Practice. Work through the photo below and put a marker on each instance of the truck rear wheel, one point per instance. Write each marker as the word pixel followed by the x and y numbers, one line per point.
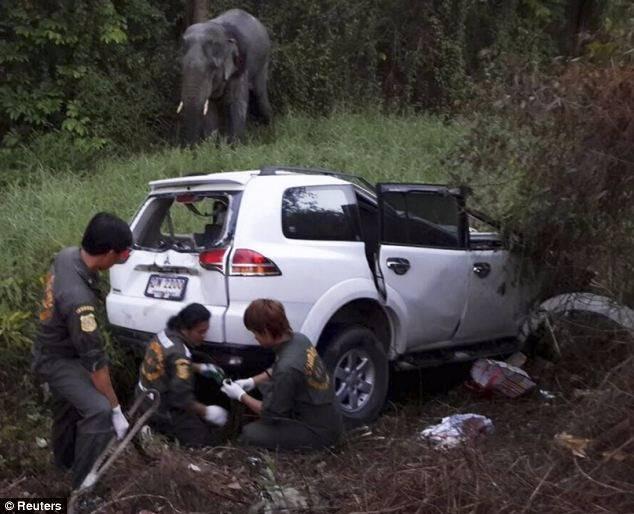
pixel 359 368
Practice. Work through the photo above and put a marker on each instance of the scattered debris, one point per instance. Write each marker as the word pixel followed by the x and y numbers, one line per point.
pixel 146 433
pixel 518 359
pixel 577 445
pixel 278 498
pixel 40 442
pixel 583 393
pixel 577 302
pixel 456 429
pixel 547 394
pixel 511 381
pixel 281 499
pixel 195 468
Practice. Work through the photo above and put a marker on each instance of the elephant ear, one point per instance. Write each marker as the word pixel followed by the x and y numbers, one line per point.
pixel 232 61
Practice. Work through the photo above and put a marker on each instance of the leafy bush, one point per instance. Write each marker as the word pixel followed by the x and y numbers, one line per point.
pixel 554 157
pixel 98 73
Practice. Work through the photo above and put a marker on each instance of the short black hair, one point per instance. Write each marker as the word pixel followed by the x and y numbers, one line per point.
pixel 106 232
pixel 189 317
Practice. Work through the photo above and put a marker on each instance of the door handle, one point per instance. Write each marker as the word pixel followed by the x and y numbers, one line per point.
pixel 482 269
pixel 398 265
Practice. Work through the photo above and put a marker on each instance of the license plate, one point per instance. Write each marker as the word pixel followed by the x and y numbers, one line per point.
pixel 166 287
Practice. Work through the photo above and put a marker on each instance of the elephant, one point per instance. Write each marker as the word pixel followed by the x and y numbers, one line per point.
pixel 225 64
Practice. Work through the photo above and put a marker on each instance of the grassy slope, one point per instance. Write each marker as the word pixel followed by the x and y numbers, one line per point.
pixel 50 213
pixel 52 210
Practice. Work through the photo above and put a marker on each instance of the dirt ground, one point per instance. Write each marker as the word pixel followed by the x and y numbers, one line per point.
pixel 387 467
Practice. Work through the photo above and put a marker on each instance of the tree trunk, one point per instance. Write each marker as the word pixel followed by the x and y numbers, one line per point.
pixel 197 11
pixel 582 16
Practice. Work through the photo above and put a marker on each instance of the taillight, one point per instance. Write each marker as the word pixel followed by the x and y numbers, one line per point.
pixel 252 264
pixel 213 259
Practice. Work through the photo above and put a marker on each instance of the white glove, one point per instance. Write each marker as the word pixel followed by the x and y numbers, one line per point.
pixel 119 422
pixel 232 389
pixel 246 383
pixel 216 415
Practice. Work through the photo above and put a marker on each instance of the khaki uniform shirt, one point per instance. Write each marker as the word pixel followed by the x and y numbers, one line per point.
pixel 68 324
pixel 300 387
pixel 167 367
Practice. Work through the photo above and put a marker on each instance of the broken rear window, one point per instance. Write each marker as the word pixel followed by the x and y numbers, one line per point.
pixel 185 222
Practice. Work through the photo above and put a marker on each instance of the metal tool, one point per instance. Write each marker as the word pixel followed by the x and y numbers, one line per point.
pixel 114 448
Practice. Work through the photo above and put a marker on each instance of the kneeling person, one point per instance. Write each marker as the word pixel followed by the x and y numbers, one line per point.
pixel 167 367
pixel 298 409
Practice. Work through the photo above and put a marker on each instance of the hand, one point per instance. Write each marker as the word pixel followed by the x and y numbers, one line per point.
pixel 210 371
pixel 119 422
pixel 247 384
pixel 216 415
pixel 232 390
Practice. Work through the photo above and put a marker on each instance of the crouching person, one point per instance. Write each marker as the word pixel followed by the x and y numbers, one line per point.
pixel 298 409
pixel 69 354
pixel 167 367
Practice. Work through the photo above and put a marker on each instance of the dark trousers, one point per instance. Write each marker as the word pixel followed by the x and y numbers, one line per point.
pixel 285 435
pixel 187 428
pixel 82 417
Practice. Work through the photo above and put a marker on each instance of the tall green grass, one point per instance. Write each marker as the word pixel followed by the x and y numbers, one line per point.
pixel 50 212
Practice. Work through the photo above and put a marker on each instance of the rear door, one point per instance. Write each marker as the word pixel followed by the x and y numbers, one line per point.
pixel 422 258
pixel 164 272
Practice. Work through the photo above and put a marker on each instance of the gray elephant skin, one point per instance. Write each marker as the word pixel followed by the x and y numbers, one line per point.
pixel 224 67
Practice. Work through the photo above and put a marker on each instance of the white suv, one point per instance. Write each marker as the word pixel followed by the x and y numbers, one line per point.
pixel 396 273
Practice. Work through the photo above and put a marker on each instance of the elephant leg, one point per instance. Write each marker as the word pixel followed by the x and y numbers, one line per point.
pixel 212 121
pixel 261 93
pixel 237 103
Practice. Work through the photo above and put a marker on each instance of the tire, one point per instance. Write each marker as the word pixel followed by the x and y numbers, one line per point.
pixel 360 395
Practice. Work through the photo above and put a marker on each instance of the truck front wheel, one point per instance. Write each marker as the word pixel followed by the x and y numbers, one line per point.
pixel 359 368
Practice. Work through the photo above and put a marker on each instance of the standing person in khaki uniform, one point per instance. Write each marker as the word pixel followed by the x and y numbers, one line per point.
pixel 167 367
pixel 298 409
pixel 68 353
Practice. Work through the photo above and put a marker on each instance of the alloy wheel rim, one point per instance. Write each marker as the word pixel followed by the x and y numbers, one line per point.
pixel 354 378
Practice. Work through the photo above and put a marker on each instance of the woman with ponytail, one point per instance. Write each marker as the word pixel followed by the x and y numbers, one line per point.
pixel 167 367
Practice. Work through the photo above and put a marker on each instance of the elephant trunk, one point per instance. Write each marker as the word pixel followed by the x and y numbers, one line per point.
pixel 194 99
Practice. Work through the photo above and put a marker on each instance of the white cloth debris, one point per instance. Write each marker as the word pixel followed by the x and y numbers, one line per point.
pixel 456 429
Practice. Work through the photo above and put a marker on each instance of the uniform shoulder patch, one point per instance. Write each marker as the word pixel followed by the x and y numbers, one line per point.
pixel 88 322
pixel 48 302
pixel 314 370
pixel 183 368
pixel 153 365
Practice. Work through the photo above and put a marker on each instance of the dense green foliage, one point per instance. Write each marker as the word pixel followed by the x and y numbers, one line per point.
pixel 81 76
pixel 84 79
pixel 551 155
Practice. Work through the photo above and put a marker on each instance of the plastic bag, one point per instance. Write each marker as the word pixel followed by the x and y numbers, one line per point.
pixel 456 429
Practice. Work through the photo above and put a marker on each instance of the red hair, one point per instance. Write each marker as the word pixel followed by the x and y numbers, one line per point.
pixel 265 315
